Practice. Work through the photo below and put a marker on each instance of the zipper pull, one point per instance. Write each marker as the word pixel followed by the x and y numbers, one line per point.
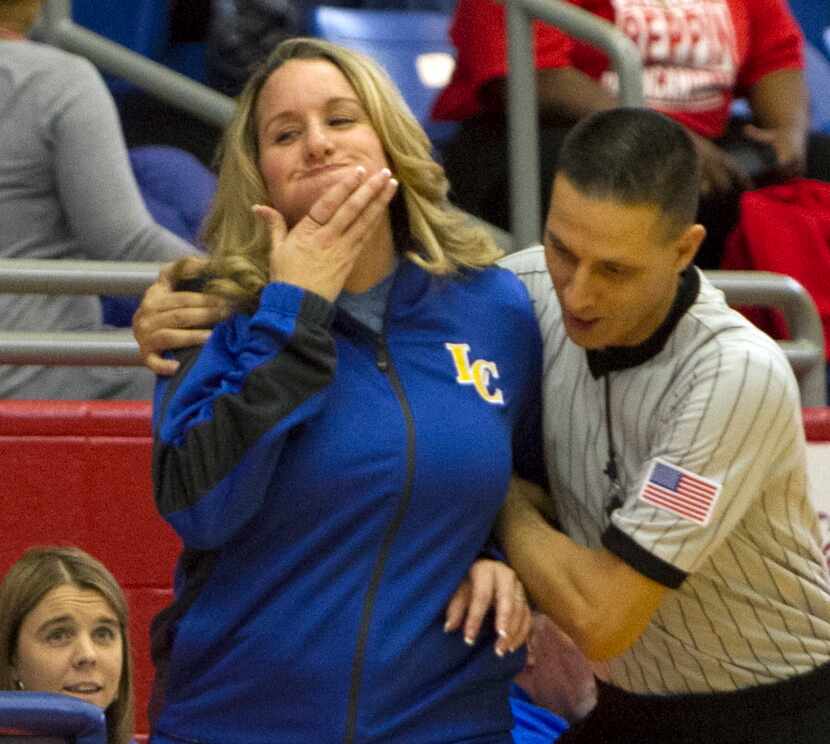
pixel 382 358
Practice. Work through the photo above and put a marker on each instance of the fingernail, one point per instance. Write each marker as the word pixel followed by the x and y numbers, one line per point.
pixel 447 626
pixel 469 641
pixel 502 632
pixel 386 172
pixel 394 182
pixel 361 171
pixel 499 652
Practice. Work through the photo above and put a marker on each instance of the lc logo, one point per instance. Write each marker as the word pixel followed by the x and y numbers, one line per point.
pixel 478 374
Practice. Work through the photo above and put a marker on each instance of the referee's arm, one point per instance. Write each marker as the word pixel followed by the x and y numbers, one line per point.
pixel 594 596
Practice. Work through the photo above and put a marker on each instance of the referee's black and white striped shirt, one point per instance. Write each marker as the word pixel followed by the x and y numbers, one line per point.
pixel 752 597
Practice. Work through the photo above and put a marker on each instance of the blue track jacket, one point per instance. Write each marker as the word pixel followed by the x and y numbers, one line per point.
pixel 332 486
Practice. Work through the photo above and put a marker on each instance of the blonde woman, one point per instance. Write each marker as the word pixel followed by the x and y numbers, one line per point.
pixel 335 455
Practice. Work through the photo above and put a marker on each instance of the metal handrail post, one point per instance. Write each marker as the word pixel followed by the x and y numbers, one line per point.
pixel 807 352
pixel 622 52
pixel 203 102
pixel 523 128
pixel 522 119
pixel 53 14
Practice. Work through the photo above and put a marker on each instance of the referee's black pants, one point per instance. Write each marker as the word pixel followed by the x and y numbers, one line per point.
pixel 795 711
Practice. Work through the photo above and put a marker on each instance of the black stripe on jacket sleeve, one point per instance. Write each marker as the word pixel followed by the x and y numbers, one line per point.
pixel 304 366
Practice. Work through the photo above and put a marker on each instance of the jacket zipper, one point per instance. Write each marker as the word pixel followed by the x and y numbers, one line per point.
pixel 384 364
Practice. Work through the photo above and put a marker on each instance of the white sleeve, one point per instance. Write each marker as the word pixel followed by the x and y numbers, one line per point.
pixel 732 421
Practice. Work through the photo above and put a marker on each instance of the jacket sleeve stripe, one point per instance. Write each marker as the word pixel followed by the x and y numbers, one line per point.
pixel 236 403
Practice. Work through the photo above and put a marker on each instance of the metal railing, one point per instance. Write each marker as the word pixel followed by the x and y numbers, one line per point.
pixel 73 348
pixel 105 348
pixel 522 109
pixel 58 28
pixel 805 351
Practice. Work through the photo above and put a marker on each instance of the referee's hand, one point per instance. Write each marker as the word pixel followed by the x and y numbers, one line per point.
pixel 491 583
pixel 168 319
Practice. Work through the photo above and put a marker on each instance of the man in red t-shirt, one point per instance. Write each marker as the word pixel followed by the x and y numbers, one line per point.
pixel 698 55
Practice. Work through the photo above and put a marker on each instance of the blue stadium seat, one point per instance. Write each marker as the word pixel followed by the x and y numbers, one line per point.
pixel 413 46
pixel 817 75
pixel 140 25
pixel 814 18
pixel 41 717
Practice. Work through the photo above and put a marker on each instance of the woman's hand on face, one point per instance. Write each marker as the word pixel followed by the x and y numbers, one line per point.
pixel 490 583
pixel 167 319
pixel 320 251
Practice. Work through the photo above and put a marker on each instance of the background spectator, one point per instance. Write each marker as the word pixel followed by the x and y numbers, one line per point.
pixel 66 191
pixel 64 629
pixel 697 57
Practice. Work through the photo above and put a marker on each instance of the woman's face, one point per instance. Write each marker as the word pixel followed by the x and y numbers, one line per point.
pixel 71 643
pixel 311 128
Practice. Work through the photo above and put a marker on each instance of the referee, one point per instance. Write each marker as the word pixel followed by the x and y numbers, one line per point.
pixel 689 553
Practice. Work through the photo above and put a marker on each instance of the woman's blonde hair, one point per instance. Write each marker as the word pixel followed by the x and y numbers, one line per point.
pixel 35 574
pixel 426 227
pixel 20 14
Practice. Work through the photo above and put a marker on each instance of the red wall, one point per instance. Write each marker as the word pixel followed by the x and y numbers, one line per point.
pixel 79 473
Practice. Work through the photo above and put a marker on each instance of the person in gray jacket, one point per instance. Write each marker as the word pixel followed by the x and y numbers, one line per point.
pixel 66 191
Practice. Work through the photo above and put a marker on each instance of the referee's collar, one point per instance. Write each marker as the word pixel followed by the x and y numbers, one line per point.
pixel 614 358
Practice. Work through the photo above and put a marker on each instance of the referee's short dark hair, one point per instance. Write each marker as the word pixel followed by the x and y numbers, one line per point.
pixel 634 156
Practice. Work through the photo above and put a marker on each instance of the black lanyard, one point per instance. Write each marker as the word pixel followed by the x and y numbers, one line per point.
pixel 611 469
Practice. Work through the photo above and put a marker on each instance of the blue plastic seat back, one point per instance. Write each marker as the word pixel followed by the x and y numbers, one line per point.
pixel 817 75
pixel 413 46
pixel 140 25
pixel 143 26
pixel 49 718
pixel 817 78
pixel 814 18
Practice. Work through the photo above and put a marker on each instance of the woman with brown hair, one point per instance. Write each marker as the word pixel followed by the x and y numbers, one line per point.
pixel 64 629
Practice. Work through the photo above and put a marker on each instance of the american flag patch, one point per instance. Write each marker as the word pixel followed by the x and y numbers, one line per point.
pixel 680 492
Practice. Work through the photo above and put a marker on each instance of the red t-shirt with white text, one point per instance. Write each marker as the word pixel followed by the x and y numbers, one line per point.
pixel 697 54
